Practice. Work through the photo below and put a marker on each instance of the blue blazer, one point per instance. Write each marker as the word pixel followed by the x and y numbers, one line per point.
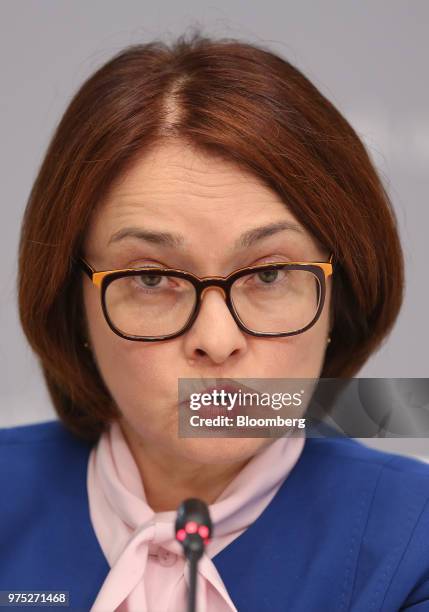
pixel 347 530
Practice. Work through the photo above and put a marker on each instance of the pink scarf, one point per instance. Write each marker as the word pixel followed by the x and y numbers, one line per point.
pixel 148 570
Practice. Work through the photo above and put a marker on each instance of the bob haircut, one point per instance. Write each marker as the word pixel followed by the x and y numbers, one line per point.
pixel 230 99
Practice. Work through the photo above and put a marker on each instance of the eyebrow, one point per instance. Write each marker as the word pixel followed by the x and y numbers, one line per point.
pixel 173 240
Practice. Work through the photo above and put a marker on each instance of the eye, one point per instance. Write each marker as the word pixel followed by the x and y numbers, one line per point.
pixel 158 284
pixel 151 281
pixel 266 279
pixel 268 276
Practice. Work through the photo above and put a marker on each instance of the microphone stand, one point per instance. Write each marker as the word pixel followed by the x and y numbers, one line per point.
pixel 193 530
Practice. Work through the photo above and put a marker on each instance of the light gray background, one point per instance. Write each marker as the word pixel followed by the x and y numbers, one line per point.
pixel 369 58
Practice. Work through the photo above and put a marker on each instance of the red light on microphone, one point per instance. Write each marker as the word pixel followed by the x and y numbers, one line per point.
pixel 203 531
pixel 181 535
pixel 191 527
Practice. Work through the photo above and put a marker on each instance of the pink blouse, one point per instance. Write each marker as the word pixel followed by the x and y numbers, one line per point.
pixel 148 569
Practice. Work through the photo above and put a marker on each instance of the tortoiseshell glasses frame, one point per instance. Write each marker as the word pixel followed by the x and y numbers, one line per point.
pixel 102 279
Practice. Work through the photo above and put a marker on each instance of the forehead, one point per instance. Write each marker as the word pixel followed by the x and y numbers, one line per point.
pixel 176 179
pixel 207 200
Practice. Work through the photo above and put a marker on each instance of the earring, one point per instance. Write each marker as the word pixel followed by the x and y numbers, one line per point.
pixel 86 344
pixel 329 339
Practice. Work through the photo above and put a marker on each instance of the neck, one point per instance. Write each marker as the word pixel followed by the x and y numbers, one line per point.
pixel 168 481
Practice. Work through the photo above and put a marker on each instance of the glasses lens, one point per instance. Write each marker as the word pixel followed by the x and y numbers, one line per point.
pixel 276 300
pixel 149 304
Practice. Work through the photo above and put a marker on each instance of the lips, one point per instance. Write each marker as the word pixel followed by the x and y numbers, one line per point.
pixel 226 388
pixel 213 410
pixel 229 387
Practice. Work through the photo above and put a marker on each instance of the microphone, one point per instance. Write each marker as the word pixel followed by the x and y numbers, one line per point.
pixel 193 530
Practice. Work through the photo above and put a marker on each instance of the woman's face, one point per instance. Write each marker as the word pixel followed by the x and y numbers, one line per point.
pixel 210 204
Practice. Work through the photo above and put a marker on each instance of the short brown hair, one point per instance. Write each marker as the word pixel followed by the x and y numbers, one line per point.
pixel 232 99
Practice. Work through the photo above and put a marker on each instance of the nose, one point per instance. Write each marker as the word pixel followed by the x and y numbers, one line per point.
pixel 215 288
pixel 214 335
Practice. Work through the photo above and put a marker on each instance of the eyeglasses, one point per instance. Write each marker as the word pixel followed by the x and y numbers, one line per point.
pixel 268 300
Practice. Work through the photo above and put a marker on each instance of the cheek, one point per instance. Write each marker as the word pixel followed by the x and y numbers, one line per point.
pixel 311 348
pixel 299 356
pixel 136 373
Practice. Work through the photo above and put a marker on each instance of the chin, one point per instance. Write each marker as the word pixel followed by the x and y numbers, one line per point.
pixel 220 450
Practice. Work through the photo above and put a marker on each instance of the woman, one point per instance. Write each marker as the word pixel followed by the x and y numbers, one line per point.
pixel 208 157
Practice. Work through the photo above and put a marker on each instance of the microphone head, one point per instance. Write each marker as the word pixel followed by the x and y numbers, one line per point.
pixel 193 527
